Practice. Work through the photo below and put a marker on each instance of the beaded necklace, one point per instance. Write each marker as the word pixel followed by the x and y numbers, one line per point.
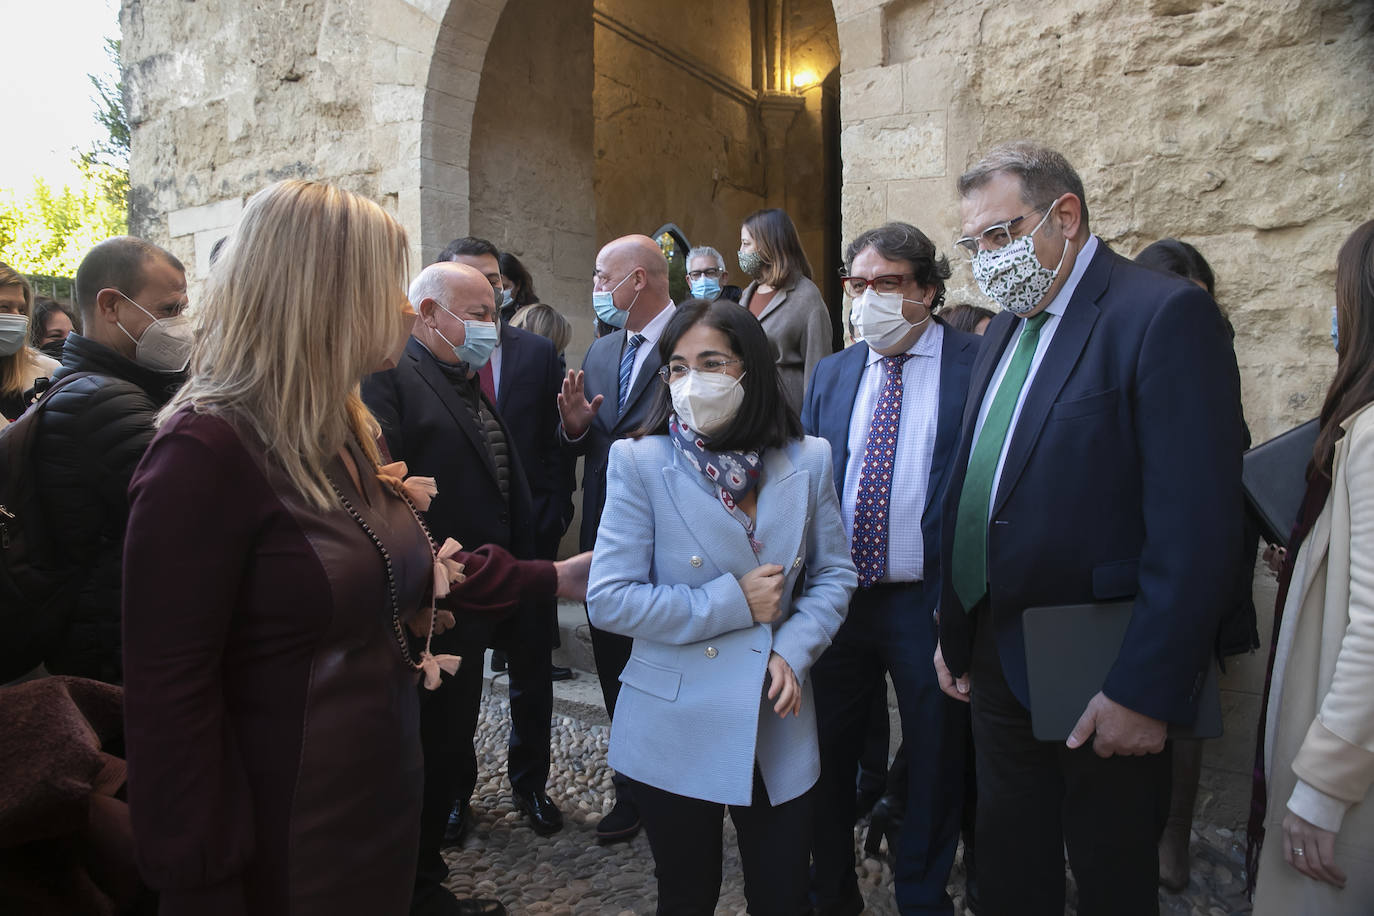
pixel 397 628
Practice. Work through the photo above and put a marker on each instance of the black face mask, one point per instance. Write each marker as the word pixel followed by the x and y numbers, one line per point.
pixel 53 348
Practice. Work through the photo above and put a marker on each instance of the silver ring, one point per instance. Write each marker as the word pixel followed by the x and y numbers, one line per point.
pixel 1297 851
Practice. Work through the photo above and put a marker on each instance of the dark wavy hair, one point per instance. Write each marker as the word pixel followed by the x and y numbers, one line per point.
pixel 1176 257
pixel 1353 386
pixel 515 272
pixel 765 419
pixel 898 241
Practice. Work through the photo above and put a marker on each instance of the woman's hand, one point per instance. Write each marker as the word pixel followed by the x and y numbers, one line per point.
pixel 784 686
pixel 1309 849
pixel 762 588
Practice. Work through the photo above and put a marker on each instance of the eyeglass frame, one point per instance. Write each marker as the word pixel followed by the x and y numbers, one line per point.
pixel 897 279
pixel 712 366
pixel 715 273
pixel 972 244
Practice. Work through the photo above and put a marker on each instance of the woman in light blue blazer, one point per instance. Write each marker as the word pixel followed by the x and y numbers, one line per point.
pixel 721 552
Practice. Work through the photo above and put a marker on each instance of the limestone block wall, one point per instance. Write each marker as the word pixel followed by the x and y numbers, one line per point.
pixel 676 131
pixel 531 161
pixel 1242 127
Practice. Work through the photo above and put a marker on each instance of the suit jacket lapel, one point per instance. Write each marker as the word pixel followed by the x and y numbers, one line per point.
pixel 773 304
pixel 724 540
pixel 434 377
pixel 510 357
pixel 601 369
pixel 1067 345
pixel 947 415
pixel 853 362
pixel 647 373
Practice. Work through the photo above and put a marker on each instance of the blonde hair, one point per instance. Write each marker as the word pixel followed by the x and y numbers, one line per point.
pixel 546 321
pixel 306 298
pixel 16 370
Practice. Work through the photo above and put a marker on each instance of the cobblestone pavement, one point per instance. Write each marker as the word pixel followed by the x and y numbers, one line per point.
pixel 569 873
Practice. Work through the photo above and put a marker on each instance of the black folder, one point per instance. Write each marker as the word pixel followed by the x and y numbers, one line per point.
pixel 1070 649
pixel 1274 476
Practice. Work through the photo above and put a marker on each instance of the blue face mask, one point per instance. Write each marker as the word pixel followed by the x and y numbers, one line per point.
pixel 705 288
pixel 507 297
pixel 479 339
pixel 1335 331
pixel 604 304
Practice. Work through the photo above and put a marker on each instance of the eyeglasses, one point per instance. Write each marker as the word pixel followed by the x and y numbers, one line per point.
pixel 996 236
pixel 680 370
pixel 888 283
pixel 715 273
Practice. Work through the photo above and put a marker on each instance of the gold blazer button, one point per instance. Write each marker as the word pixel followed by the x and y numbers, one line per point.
pixel 711 652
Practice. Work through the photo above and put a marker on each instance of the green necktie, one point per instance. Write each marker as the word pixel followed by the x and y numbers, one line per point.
pixel 970 561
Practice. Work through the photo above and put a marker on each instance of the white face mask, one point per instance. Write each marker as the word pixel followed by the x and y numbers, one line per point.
pixel 707 401
pixel 166 343
pixel 15 328
pixel 878 318
pixel 1012 275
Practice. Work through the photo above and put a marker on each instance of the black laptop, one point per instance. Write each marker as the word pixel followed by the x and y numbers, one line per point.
pixel 1070 650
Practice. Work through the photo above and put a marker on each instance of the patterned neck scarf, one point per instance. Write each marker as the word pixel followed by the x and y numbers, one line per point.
pixel 733 474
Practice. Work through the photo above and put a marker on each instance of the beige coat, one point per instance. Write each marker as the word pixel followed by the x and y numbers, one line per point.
pixel 1320 720
pixel 800 333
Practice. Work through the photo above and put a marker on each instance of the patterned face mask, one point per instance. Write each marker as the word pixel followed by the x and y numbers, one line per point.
pixel 1012 276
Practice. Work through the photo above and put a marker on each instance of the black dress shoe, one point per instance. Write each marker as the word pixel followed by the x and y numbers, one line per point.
pixel 562 674
pixel 544 815
pixel 621 824
pixel 459 823
pixel 498 660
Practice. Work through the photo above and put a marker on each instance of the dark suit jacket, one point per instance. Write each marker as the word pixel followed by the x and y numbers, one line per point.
pixel 428 427
pixel 602 376
pixel 1122 480
pixel 830 404
pixel 527 399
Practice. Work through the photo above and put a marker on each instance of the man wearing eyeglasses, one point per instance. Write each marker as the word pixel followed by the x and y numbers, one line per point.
pixel 890 406
pixel 1098 461
pixel 707 277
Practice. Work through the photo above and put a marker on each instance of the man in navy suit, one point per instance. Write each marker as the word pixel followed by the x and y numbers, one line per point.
pixel 608 400
pixel 435 417
pixel 1099 460
pixel 890 407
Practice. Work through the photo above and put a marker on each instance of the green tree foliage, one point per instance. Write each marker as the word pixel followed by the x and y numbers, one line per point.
pixel 48 231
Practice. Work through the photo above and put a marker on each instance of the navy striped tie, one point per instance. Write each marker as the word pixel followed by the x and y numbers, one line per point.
pixel 627 367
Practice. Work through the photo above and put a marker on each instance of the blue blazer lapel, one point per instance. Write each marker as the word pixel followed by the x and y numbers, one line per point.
pixel 724 540
pixel 434 377
pixel 1069 339
pixel 782 509
pixel 840 407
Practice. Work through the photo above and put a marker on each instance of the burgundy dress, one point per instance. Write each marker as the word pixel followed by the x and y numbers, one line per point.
pixel 273 741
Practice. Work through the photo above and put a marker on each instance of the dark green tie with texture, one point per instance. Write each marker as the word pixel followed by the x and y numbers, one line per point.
pixel 969 564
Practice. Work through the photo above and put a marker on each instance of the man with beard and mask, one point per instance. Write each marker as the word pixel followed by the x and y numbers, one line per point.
pixel 132 353
pixel 435 417
pixel 890 407
pixel 609 399
pixel 1099 461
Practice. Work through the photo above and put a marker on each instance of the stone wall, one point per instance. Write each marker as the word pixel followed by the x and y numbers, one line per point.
pixel 531 158
pixel 1242 127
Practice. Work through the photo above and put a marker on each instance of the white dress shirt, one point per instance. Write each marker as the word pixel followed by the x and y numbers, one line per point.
pixel 916 428
pixel 651 333
pixel 495 361
pixel 1056 310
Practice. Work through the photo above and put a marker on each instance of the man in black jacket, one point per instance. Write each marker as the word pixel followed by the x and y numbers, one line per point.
pixel 435 417
pixel 134 347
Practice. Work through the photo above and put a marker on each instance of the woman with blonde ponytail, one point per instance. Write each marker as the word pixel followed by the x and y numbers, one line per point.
pixel 278 584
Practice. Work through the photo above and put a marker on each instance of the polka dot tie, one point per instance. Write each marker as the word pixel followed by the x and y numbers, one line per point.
pixel 869 548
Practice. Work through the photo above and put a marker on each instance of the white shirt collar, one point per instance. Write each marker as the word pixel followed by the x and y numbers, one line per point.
pixel 928 344
pixel 654 329
pixel 1080 266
